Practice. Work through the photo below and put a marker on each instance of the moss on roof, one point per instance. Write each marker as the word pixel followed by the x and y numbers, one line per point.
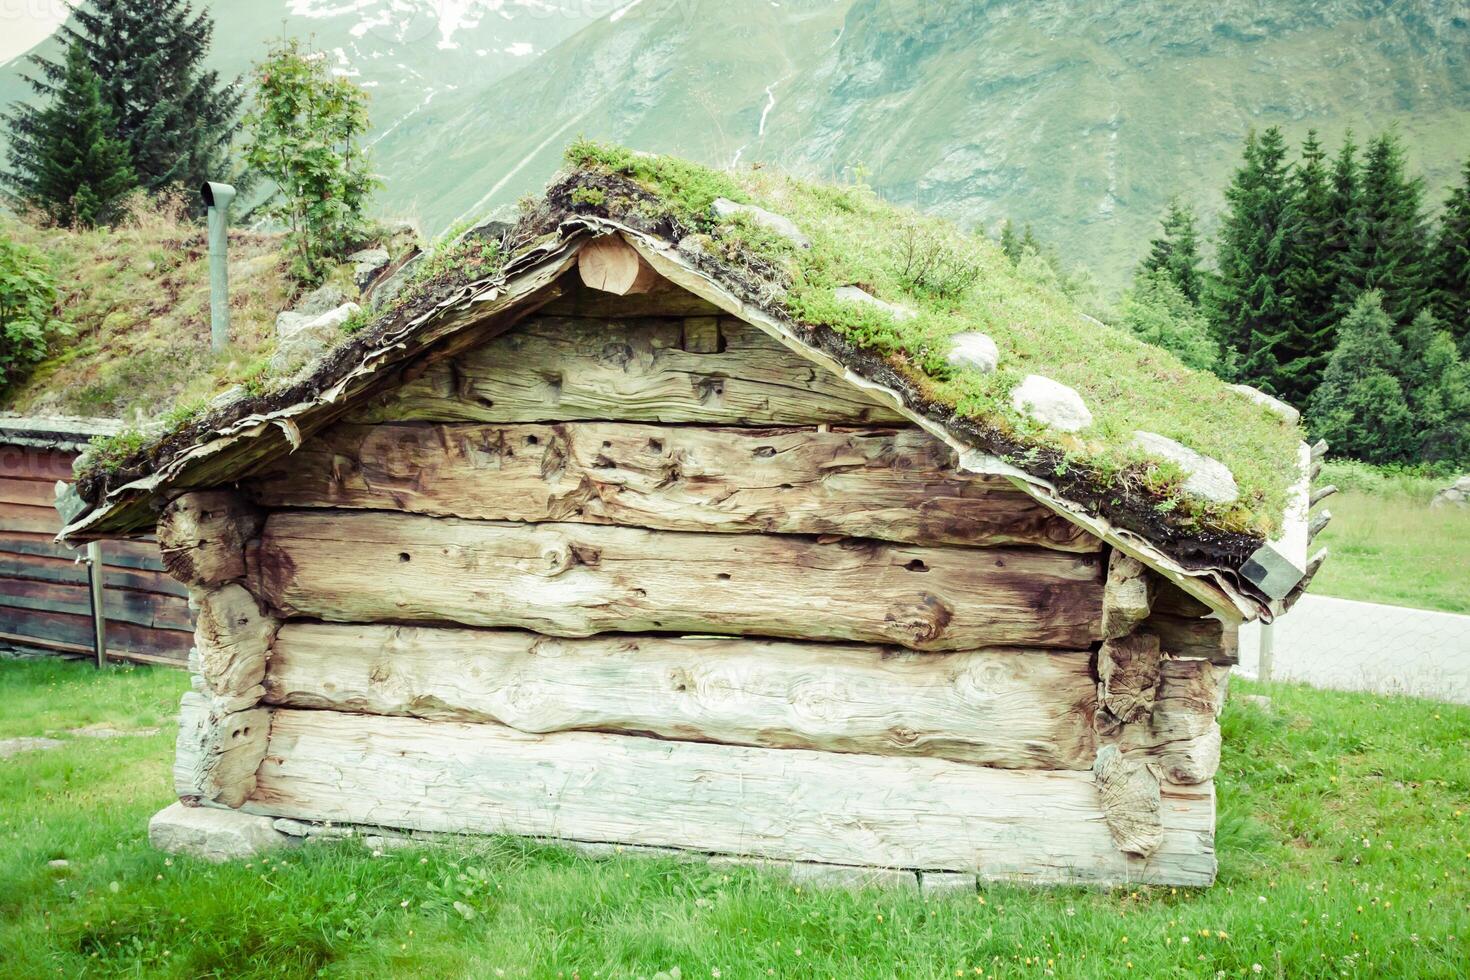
pixel 956 282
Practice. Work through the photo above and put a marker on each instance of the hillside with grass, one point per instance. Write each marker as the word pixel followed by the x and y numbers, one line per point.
pixel 133 308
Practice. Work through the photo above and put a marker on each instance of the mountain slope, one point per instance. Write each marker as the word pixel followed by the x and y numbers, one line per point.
pixel 1080 116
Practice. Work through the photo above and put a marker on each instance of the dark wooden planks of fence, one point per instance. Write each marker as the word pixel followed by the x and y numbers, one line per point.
pixel 44 602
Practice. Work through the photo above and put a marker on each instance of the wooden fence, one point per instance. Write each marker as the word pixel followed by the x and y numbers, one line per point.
pixel 45 600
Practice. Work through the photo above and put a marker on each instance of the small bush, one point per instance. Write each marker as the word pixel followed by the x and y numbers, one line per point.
pixel 927 261
pixel 27 301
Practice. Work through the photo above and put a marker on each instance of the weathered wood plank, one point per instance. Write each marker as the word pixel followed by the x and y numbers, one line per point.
pixel 789 804
pixel 576 580
pixel 123 605
pixel 122 554
pixel 35 493
pixel 66 569
pixel 893 484
pixel 26 462
pixel 1011 708
pixel 29 518
pixel 552 369
pixel 1180 734
pixel 74 632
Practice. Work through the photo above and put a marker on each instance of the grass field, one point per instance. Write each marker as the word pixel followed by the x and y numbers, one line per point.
pixel 1388 546
pixel 1344 846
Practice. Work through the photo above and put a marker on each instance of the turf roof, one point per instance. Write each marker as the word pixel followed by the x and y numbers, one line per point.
pixel 952 281
pixel 970 285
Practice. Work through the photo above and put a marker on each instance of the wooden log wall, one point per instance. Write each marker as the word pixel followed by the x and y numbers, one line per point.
pixel 621 576
pixel 45 602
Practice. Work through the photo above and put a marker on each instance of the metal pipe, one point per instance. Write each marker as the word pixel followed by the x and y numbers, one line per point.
pixel 1266 660
pixel 217 198
pixel 95 578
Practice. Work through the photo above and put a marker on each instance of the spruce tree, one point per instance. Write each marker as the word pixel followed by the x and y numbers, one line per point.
pixel 1345 198
pixel 1389 247
pixel 1437 383
pixel 1309 276
pixel 174 116
pixel 1009 243
pixel 72 169
pixel 1452 264
pixel 1360 407
pixel 1176 252
pixel 1251 305
pixel 1157 312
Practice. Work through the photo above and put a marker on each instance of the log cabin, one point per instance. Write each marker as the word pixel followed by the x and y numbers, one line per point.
pixel 632 529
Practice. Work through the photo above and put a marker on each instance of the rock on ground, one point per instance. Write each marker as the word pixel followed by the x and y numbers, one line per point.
pixel 1205 478
pixel 1291 415
pixel 1457 494
pixel 212 834
pixel 933 884
pixel 852 294
pixel 318 301
pixel 1051 403
pixel 724 208
pixel 366 264
pixel 975 351
pixel 299 339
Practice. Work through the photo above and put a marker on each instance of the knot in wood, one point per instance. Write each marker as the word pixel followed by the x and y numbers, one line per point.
pixel 919 622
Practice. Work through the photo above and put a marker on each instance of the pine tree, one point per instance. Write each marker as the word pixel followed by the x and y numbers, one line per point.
pixel 174 116
pixel 71 168
pixel 1360 407
pixel 1309 276
pixel 1452 264
pixel 1029 242
pixel 1250 306
pixel 1176 252
pixel 1389 248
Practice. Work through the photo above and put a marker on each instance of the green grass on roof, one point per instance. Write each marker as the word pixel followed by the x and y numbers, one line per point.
pixel 957 282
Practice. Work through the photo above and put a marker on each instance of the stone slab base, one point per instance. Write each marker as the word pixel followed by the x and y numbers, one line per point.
pixel 800 873
pixel 213 834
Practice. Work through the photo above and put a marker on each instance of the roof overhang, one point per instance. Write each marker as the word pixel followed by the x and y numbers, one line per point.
pixel 482 310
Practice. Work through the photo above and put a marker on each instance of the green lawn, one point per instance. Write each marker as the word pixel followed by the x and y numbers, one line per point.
pixel 1388 546
pixel 1344 849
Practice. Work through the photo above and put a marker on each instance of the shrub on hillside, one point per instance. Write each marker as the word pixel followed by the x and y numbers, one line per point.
pixel 27 302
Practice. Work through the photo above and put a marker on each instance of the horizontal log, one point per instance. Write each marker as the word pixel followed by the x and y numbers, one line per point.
pixel 1010 708
pixel 662 300
pixel 219 750
pixel 232 641
pixel 892 484
pixel 75 633
pixel 149 609
pixel 785 804
pixel 202 535
pixel 1201 639
pixel 577 580
pixel 553 369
